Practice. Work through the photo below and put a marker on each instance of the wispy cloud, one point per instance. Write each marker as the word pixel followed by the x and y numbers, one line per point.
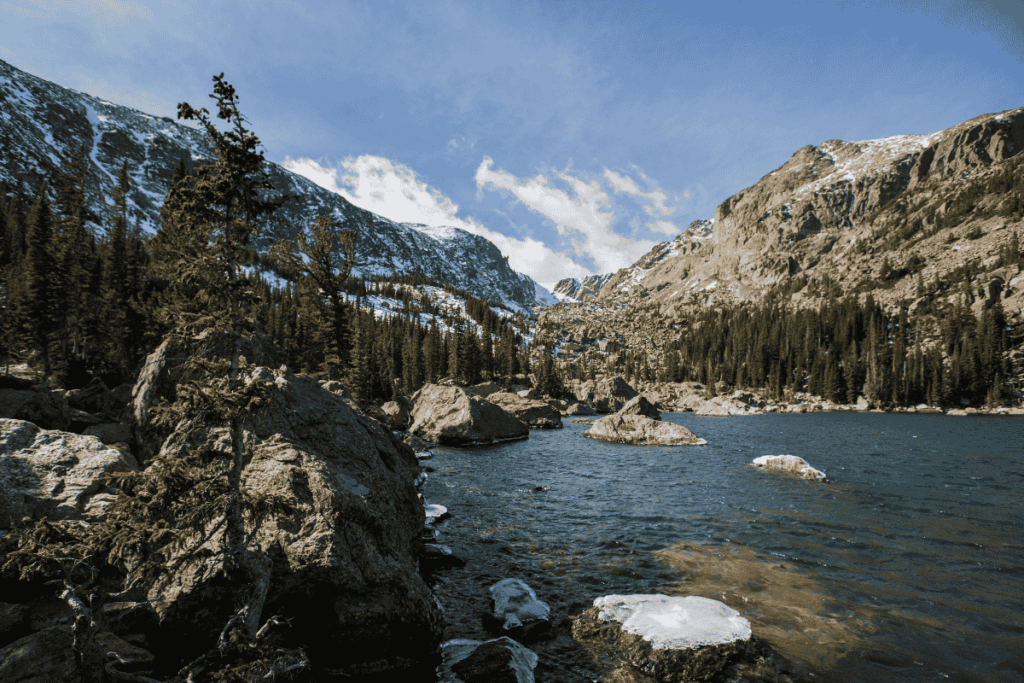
pixel 396 192
pixel 583 214
pixel 656 197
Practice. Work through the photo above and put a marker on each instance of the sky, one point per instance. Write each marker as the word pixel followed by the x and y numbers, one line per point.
pixel 573 135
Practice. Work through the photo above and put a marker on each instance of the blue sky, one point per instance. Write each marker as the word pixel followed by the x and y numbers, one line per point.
pixel 575 135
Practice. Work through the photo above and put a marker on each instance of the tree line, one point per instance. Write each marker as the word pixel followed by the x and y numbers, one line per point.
pixel 844 349
pixel 77 305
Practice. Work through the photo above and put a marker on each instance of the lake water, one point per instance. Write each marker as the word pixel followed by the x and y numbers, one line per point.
pixel 907 565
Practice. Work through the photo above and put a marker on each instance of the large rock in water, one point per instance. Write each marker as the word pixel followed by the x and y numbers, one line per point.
pixel 47 473
pixel 536 414
pixel 667 638
pixel 608 395
pixel 789 464
pixel 450 416
pixel 343 540
pixel 641 431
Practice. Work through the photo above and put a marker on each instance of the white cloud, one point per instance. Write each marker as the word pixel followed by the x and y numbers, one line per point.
pixel 585 216
pixel 664 227
pixel 656 197
pixel 395 192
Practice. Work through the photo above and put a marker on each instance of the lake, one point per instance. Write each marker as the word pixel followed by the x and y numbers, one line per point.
pixel 907 565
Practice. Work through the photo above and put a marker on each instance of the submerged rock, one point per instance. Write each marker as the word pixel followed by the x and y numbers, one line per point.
pixel 501 660
pixel 516 608
pixel 450 416
pixel 789 464
pixel 641 431
pixel 536 414
pixel 671 638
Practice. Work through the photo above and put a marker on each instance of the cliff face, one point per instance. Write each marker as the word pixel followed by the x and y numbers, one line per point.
pixel 43 125
pixel 875 216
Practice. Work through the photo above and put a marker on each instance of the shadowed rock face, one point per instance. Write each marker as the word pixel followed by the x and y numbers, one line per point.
pixel 344 544
pixel 639 405
pixel 450 416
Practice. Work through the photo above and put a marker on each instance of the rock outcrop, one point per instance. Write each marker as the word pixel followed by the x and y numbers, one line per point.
pixel 536 414
pixel 450 416
pixel 789 464
pixel 48 473
pixel 667 638
pixel 641 431
pixel 396 414
pixel 344 538
pixel 608 395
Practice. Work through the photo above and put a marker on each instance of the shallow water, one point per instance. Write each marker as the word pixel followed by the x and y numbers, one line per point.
pixel 907 565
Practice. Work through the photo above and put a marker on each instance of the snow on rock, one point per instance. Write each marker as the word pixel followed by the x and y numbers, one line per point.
pixel 790 464
pixel 517 609
pixel 676 623
pixel 668 638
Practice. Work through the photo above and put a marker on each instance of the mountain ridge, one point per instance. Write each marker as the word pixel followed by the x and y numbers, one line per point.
pixel 42 124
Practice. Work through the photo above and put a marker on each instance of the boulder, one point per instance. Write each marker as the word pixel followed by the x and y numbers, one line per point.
pixel 862 403
pixel 43 656
pixel 344 536
pixel 484 389
pixel 536 414
pixel 48 473
pixel 789 464
pixel 449 416
pixel 110 433
pixel 712 409
pixel 527 393
pixel 583 420
pixel 608 395
pixel 419 446
pixel 516 610
pixel 14 622
pixel 95 398
pixel 579 409
pixel 639 405
pixel 669 638
pixel 178 360
pixel 396 414
pixel 642 431
pixel 501 660
pixel 45 409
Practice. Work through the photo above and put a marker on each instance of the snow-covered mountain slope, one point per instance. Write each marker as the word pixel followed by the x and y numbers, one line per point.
pixel 571 289
pixel 42 126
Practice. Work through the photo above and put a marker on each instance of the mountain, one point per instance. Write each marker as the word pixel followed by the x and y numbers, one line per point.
pixel 42 125
pixel 912 220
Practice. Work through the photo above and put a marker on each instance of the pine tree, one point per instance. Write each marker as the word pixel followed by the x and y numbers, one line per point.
pixel 37 304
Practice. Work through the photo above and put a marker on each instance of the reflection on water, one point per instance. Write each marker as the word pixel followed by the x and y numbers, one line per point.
pixel 907 566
